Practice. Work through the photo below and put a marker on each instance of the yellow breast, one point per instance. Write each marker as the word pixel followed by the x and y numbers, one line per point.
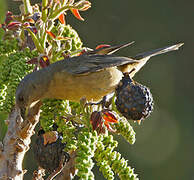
pixel 93 86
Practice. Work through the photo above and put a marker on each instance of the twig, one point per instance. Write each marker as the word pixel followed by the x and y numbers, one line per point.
pixel 56 172
pixel 68 171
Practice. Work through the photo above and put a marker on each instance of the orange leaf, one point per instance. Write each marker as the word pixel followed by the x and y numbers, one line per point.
pixel 109 127
pixel 62 19
pixel 50 34
pixel 30 20
pixel 76 14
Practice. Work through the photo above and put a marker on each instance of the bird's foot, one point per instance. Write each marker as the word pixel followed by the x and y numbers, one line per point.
pixel 105 102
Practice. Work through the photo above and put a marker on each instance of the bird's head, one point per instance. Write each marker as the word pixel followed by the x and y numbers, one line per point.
pixel 26 95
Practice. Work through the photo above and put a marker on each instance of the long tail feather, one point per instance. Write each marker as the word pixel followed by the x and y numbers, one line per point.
pixel 158 51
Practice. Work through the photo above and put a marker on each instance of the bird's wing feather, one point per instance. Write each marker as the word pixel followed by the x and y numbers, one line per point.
pixel 85 64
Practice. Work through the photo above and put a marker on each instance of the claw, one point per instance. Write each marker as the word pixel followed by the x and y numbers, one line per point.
pixel 105 102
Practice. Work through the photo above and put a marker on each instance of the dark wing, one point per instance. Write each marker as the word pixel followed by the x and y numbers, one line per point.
pixel 85 64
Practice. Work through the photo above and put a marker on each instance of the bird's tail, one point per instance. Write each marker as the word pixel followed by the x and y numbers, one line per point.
pixel 158 51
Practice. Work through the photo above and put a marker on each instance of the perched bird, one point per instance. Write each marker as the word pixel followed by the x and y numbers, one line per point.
pixel 91 75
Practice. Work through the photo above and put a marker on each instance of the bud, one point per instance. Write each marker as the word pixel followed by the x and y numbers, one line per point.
pixel 70 2
pixel 26 24
pixel 77 14
pixel 13 26
pixel 44 61
pixel 100 119
pixel 8 17
pixel 83 5
pixel 9 13
pixel 96 119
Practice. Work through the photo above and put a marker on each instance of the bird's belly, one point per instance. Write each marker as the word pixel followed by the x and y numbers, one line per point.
pixel 92 86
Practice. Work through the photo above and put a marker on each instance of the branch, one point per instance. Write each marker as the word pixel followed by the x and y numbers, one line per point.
pixel 16 142
pixel 69 170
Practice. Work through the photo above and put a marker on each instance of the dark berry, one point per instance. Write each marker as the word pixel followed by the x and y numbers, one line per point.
pixel 133 100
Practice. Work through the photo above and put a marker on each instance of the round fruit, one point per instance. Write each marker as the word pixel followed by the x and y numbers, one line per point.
pixel 133 100
pixel 49 156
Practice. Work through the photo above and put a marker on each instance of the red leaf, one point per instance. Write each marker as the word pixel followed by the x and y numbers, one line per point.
pixel 50 34
pixel 62 19
pixel 13 25
pixel 102 45
pixel 96 119
pixel 76 14
pixel 82 52
pixel 9 13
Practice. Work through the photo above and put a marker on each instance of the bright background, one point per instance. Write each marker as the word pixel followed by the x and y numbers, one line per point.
pixel 164 149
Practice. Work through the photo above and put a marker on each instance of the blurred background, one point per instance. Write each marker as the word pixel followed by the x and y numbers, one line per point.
pixel 164 148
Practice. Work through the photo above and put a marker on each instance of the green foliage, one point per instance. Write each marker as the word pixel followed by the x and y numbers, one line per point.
pixel 86 147
pixel 52 109
pixel 110 160
pixel 8 46
pixel 12 69
pixel 69 131
pixel 70 44
pixel 125 129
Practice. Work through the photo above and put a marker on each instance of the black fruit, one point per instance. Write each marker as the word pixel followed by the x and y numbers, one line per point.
pixel 133 100
pixel 50 155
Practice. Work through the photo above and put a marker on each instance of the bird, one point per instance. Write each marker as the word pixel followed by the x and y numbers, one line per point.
pixel 92 75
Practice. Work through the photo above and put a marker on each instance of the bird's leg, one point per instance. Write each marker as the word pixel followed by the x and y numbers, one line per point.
pixel 105 102
pixel 128 73
pixel 101 102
